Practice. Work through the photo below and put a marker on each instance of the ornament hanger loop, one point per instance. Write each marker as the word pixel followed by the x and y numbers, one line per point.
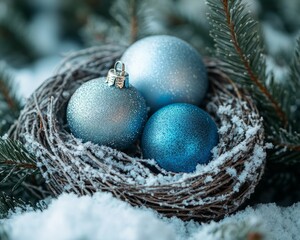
pixel 117 76
pixel 118 70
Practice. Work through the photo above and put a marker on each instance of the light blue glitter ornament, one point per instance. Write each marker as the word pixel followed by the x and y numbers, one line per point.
pixel 166 70
pixel 179 136
pixel 107 111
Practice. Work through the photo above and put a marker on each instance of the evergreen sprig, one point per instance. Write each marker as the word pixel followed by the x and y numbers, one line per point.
pixel 130 21
pixel 288 95
pixel 135 19
pixel 239 46
pixel 294 89
pixel 241 50
pixel 126 16
pixel 8 204
pixel 20 176
pixel 10 103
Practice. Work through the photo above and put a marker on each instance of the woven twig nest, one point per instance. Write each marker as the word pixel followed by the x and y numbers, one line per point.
pixel 68 165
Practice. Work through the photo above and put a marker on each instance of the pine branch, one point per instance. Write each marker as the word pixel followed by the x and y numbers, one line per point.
pixel 294 89
pixel 287 92
pixel 8 204
pixel 19 174
pixel 16 164
pixel 239 47
pixel 125 13
pixel 287 141
pixel 130 21
pixel 10 104
pixel 238 44
pixel 287 147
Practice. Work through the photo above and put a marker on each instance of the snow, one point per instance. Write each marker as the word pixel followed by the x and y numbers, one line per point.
pixel 30 78
pixel 277 40
pixel 277 43
pixel 98 217
pixel 104 217
pixel 194 10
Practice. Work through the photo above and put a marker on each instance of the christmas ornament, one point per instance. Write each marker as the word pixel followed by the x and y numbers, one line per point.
pixel 107 111
pixel 179 136
pixel 166 70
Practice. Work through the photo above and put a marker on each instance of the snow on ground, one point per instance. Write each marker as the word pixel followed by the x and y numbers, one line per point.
pixel 104 217
pixel 31 77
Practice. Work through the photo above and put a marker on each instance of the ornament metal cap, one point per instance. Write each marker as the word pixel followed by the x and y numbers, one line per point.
pixel 117 76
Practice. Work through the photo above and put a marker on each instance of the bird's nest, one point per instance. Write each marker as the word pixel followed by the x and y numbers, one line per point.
pixel 68 165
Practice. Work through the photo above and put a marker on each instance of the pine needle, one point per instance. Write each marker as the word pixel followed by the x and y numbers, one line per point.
pixel 292 100
pixel 8 204
pixel 10 103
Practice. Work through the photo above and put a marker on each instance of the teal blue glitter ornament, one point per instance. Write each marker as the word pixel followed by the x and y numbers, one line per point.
pixel 107 111
pixel 179 136
pixel 166 70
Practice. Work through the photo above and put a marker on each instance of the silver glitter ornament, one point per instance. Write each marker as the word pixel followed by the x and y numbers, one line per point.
pixel 107 111
pixel 166 70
